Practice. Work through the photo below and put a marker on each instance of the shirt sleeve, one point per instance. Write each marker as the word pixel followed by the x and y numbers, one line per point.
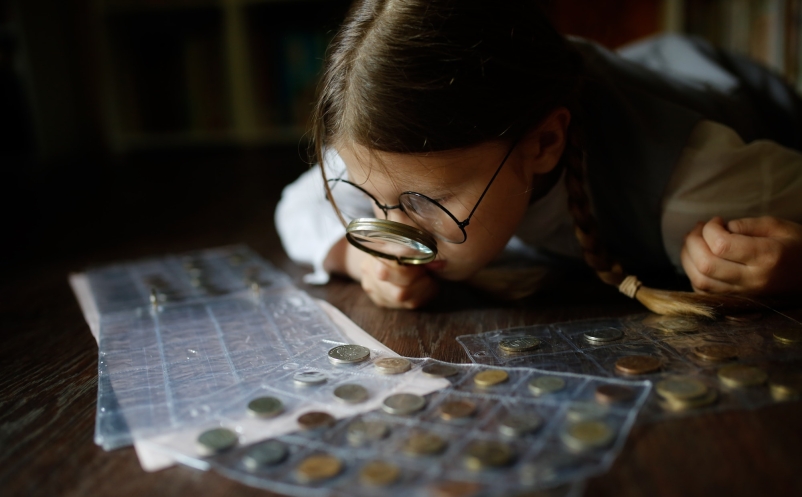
pixel 307 223
pixel 720 175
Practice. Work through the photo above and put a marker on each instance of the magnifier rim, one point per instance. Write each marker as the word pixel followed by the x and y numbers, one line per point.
pixel 392 227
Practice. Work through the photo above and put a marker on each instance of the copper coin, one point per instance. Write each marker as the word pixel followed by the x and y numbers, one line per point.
pixel 315 419
pixel 454 489
pixel 457 410
pixel 638 364
pixel 716 352
pixel 612 394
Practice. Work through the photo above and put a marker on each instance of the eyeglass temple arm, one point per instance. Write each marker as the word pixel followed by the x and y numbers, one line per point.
pixel 498 170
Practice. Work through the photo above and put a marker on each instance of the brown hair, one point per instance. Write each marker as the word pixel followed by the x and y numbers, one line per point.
pixel 416 76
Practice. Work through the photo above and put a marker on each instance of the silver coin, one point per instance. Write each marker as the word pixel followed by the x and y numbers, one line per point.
pixel 216 440
pixel 392 365
pixel 515 425
pixel 436 370
pixel 519 344
pixel 360 432
pixel 544 385
pixel 403 403
pixel 603 335
pixel 265 407
pixel 351 393
pixel 308 378
pixel 348 354
pixel 268 453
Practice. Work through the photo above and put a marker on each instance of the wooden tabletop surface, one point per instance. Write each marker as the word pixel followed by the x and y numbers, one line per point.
pixel 48 376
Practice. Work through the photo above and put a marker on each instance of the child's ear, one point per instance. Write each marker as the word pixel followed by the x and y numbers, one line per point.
pixel 543 146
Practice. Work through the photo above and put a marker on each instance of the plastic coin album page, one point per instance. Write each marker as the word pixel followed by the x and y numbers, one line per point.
pixel 738 362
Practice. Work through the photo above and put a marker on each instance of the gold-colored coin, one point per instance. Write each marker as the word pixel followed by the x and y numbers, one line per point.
pixel 486 454
pixel 318 467
pixel 638 364
pixel 716 352
pixel 457 410
pixel 424 444
pixel 392 365
pixel 787 386
pixel 454 489
pixel 315 420
pixel 613 394
pixel 680 388
pixel 588 435
pixel 490 377
pixel 788 335
pixel 544 385
pixel 741 375
pixel 674 404
pixel 379 474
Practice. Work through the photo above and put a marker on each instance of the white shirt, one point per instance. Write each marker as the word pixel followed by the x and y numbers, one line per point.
pixel 717 175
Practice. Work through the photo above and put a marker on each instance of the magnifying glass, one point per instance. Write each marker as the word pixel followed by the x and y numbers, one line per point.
pixel 391 240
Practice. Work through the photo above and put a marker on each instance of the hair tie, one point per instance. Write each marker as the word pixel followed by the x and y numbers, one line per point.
pixel 630 286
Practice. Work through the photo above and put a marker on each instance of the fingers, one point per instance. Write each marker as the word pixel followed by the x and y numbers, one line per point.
pixel 726 245
pixel 398 287
pixel 707 271
pixel 396 274
pixel 758 226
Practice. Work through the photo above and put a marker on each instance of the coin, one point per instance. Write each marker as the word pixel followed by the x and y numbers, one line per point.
pixel 403 403
pixel 392 365
pixel 674 404
pixel 439 370
pixel 483 454
pixel 265 407
pixel 268 453
pixel 424 444
pixel 788 336
pixel 516 425
pixel 457 410
pixel 583 411
pixel 490 377
pixel 314 420
pixel 379 473
pixel 587 435
pixel 603 335
pixel 787 386
pixel 349 354
pixel 638 364
pixel 519 344
pixel 308 378
pixel 680 388
pixel 543 385
pixel 613 394
pixel 716 352
pixel 454 489
pixel 361 431
pixel 216 440
pixel 351 393
pixel 741 375
pixel 318 467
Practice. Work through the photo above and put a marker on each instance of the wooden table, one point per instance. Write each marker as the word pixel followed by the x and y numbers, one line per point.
pixel 48 377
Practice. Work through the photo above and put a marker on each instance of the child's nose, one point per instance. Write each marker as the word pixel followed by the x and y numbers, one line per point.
pixel 400 216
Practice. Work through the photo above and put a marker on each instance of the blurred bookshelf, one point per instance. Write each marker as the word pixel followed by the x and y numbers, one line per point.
pixel 765 30
pixel 182 73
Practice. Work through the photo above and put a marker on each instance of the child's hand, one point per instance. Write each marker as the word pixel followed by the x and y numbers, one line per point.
pixel 760 255
pixel 400 287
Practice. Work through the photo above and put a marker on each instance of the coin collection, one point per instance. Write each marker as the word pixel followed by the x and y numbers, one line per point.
pixel 487 429
pixel 736 362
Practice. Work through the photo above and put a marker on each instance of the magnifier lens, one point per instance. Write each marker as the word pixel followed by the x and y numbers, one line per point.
pixel 392 240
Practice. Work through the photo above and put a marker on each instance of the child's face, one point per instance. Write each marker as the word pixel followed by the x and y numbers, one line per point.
pixel 456 179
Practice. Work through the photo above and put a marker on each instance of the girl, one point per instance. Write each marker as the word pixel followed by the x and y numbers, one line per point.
pixel 476 123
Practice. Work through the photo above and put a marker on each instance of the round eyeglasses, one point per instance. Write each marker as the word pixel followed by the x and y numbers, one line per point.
pixel 401 242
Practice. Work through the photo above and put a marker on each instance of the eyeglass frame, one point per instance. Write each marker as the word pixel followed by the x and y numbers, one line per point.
pixel 460 224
